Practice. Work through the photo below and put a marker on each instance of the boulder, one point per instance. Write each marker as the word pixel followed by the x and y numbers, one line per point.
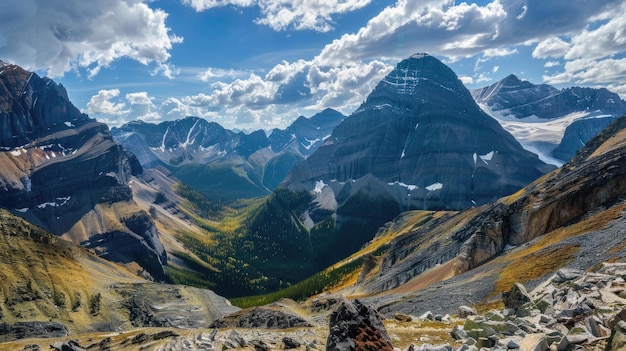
pixel 516 297
pixel 260 318
pixel 356 326
pixel 402 317
pixel 458 333
pixel 234 340
pixel 567 274
pixel 534 342
pixel 465 311
pixel 618 338
pixel 290 343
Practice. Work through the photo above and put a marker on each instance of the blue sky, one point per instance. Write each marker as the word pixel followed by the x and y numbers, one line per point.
pixel 251 64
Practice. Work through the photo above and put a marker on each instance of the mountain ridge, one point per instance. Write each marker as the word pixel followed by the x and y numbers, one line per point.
pixel 399 133
pixel 562 120
pixel 49 139
pixel 241 165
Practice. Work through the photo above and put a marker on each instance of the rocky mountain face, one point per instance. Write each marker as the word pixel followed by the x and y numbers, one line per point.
pixel 521 99
pixel 52 288
pixel 422 141
pixel 305 135
pixel 582 112
pixel 566 208
pixel 183 141
pixel 63 171
pixel 235 164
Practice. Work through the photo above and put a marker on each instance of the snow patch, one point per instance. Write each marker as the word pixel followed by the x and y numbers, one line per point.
pixel 411 187
pixel 486 157
pixel 17 152
pixel 434 186
pixel 311 143
pixel 22 210
pixel 319 185
pixel 382 106
pixel 187 142
pixel 59 201
pixel 69 124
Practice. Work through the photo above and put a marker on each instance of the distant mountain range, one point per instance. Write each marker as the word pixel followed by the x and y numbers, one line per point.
pixel 220 163
pixel 561 121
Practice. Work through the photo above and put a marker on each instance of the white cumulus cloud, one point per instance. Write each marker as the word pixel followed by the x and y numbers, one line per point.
pixel 60 35
pixel 101 104
pixel 289 14
pixel 590 54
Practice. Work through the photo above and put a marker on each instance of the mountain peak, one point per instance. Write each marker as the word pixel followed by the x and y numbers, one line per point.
pixel 418 79
pixel 511 79
pixel 420 134
pixel 419 55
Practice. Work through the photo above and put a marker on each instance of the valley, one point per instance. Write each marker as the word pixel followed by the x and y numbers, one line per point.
pixel 423 204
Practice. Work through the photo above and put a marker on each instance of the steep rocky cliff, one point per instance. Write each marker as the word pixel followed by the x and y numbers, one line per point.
pixel 63 171
pixel 570 201
pixel 423 137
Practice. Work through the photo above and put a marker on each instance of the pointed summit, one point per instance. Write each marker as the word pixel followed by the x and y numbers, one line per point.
pixel 420 134
pixel 419 78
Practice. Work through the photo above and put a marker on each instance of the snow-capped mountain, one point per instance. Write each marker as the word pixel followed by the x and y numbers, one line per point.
pixel 305 135
pixel 539 116
pixel 421 140
pixel 222 163
pixel 183 141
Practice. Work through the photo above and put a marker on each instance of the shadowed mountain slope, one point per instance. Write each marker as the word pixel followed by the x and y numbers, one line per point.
pixel 422 136
pixel 63 171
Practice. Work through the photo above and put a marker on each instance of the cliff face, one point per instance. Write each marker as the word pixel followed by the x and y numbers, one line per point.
pixel 422 135
pixel 61 170
pixel 590 183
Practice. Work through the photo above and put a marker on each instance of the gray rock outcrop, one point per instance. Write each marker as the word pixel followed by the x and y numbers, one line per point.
pixel 585 311
pixel 58 165
pixel 261 318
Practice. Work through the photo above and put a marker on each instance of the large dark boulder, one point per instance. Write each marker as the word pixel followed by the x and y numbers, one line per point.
pixel 356 326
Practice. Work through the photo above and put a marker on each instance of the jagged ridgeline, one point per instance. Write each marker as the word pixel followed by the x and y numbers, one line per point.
pixel 222 164
pixel 61 170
